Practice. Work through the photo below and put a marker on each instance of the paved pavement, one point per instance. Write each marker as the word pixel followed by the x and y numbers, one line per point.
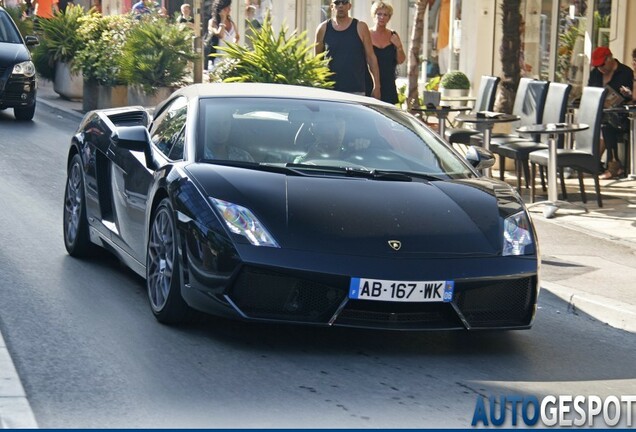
pixel 615 222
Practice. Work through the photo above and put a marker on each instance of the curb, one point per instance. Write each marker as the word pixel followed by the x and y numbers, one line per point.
pixel 60 110
pixel 615 313
pixel 15 410
pixel 577 226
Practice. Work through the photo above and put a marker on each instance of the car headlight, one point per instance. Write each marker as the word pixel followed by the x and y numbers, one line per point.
pixel 516 234
pixel 26 68
pixel 242 221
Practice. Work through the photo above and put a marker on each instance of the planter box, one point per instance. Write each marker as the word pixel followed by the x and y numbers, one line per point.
pixel 112 96
pixel 97 96
pixel 454 92
pixel 431 97
pixel 137 96
pixel 449 94
pixel 90 101
pixel 68 85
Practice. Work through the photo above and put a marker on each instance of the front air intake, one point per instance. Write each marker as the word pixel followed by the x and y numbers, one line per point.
pixel 499 303
pixel 265 294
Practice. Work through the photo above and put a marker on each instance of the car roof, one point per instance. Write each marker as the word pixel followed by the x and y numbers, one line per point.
pixel 274 91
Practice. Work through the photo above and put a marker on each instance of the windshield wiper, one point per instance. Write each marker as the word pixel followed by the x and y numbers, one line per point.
pixel 420 175
pixel 269 167
pixel 348 171
pixel 378 174
pixel 355 172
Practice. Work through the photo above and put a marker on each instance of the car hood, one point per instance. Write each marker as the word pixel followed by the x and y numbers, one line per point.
pixel 363 216
pixel 11 54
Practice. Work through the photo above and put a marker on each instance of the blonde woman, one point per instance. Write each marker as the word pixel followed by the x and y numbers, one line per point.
pixel 388 50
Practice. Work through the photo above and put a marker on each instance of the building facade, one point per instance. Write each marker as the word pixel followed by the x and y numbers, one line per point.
pixel 558 36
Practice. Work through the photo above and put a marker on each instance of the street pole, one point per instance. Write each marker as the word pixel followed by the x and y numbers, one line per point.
pixel 197 76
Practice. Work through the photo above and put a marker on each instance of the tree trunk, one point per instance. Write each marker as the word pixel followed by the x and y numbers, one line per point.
pixel 510 51
pixel 415 50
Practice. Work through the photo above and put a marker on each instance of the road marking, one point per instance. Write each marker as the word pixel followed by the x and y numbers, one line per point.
pixel 15 410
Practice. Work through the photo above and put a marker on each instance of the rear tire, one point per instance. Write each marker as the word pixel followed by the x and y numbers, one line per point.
pixel 163 273
pixel 24 113
pixel 76 237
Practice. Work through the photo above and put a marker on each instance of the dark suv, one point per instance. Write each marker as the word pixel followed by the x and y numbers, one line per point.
pixel 17 72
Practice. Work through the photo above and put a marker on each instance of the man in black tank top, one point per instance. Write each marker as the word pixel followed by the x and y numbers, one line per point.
pixel 349 49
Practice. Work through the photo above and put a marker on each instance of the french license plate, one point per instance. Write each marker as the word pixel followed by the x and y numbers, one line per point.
pixel 401 291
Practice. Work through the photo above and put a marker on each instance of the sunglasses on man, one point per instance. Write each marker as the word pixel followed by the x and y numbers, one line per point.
pixel 340 2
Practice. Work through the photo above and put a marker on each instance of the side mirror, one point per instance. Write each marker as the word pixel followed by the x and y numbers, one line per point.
pixel 480 158
pixel 31 40
pixel 133 138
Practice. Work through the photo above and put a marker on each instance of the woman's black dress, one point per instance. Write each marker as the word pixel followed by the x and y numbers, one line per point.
pixel 387 61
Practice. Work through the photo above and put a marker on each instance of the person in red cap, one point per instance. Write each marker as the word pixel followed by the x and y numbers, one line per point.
pixel 609 72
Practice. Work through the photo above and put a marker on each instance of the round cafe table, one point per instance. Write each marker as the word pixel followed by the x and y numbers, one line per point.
pixel 487 119
pixel 553 203
pixel 441 112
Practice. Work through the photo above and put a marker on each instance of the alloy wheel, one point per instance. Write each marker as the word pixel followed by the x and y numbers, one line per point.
pixel 161 256
pixel 73 203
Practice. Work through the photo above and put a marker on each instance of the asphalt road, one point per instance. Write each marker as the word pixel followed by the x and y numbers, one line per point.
pixel 90 354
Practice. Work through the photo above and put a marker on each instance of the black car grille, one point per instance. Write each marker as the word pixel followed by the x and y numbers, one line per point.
pixel 500 303
pixel 2 71
pixel 134 118
pixel 403 316
pixel 260 293
pixel 265 294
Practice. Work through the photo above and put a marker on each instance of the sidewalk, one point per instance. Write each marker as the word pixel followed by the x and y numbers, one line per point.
pixel 610 298
pixel 616 222
pixel 46 96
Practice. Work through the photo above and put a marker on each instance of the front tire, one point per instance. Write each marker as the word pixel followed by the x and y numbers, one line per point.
pixel 76 237
pixel 24 113
pixel 163 277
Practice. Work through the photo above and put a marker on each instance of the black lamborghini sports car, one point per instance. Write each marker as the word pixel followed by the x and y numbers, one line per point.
pixel 300 205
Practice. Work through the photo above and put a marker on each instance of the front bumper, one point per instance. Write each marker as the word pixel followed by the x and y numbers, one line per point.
pixel 17 91
pixel 477 304
pixel 490 292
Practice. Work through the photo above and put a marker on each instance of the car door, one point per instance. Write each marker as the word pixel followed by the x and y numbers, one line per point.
pixel 132 179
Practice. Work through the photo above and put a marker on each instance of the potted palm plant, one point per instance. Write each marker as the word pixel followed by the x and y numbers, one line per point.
pixel 431 94
pixel 59 44
pixel 273 58
pixel 155 59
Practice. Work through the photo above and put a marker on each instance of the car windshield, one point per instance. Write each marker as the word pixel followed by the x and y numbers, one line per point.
pixel 8 32
pixel 322 134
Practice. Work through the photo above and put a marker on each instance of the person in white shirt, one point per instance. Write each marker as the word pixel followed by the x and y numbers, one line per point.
pixel 221 28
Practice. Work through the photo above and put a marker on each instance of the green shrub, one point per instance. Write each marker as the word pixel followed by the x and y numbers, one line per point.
pixel 274 58
pixel 433 83
pixel 103 39
pixel 42 62
pixel 455 80
pixel 25 25
pixel 59 40
pixel 61 34
pixel 156 54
